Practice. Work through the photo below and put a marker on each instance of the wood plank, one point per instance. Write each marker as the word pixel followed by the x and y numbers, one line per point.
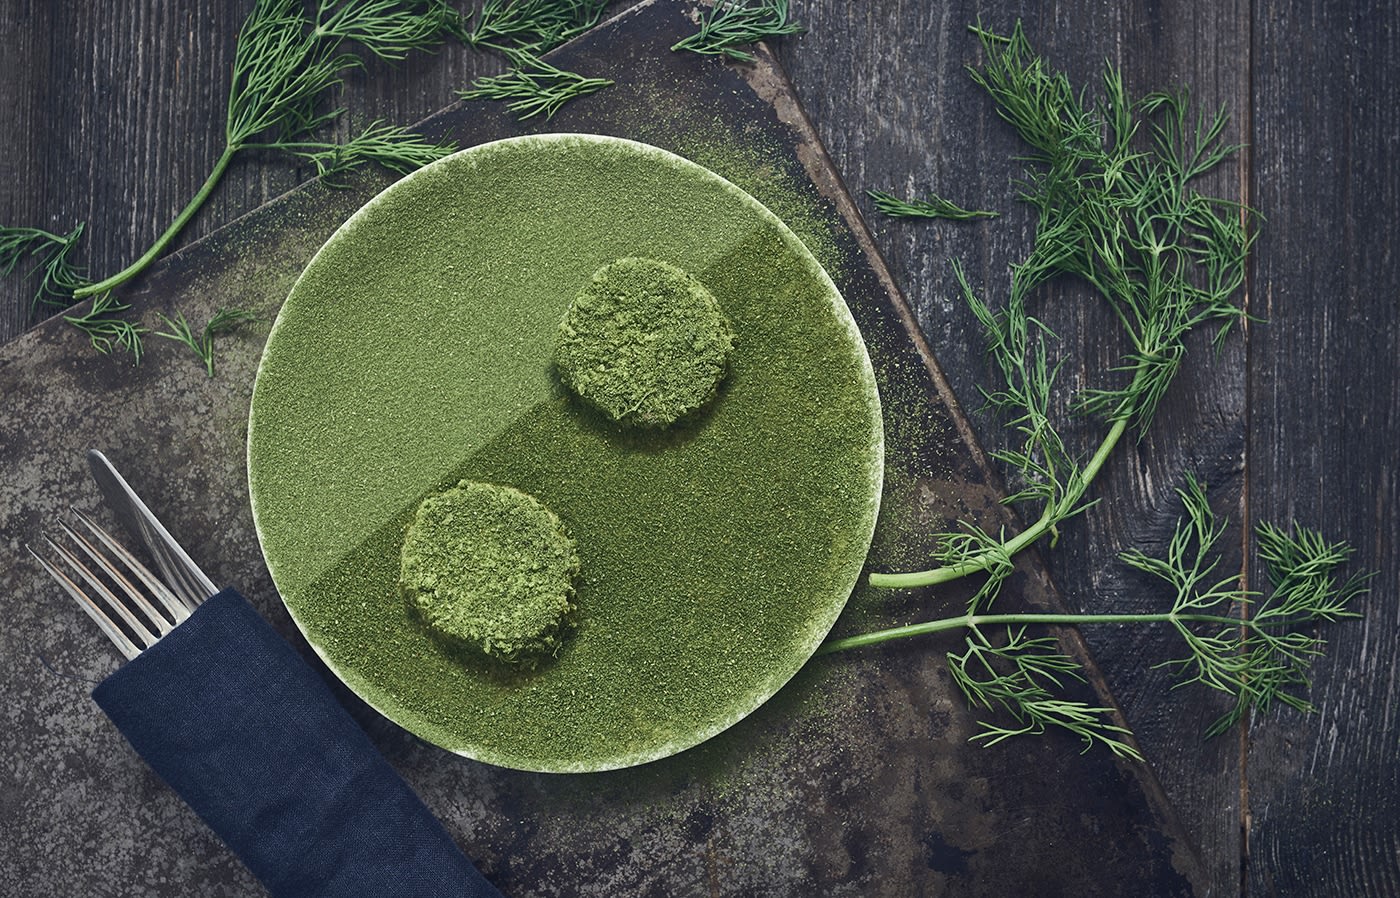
pixel 1325 412
pixel 886 85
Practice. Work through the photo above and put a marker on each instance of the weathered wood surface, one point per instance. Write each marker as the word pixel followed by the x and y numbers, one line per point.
pixel 114 119
pixel 1324 393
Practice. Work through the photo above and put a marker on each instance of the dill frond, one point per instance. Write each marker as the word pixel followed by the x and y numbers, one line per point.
pixel 534 26
pixel 1113 185
pixel 50 254
pixel 107 329
pixel 390 146
pixel 1016 676
pixel 1264 655
pixel 533 87
pixel 202 344
pixel 523 31
pixel 287 63
pixel 731 24
pixel 933 207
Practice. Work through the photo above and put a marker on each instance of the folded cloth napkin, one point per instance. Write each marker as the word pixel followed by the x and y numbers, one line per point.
pixel 253 739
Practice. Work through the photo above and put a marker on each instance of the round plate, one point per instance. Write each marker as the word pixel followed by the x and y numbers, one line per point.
pixel 415 351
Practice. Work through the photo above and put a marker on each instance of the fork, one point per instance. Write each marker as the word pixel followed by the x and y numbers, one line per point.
pixel 115 595
pixel 108 591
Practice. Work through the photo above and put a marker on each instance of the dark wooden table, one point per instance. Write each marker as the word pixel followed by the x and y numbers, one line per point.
pixel 113 115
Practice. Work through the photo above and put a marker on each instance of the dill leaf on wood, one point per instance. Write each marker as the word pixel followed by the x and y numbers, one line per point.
pixel 107 329
pixel 286 64
pixel 50 254
pixel 731 24
pixel 1113 184
pixel 523 31
pixel 536 26
pixel 533 87
pixel 933 207
pixel 202 344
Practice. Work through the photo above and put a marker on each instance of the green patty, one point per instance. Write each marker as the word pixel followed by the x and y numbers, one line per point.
pixel 491 568
pixel 644 342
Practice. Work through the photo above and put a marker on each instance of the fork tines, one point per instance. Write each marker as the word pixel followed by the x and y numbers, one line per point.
pixel 133 616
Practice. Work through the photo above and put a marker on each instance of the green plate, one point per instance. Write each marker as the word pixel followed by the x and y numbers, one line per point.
pixel 415 351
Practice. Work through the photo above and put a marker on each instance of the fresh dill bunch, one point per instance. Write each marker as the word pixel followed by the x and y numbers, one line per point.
pixel 1254 648
pixel 731 24
pixel 533 87
pixel 933 207
pixel 1113 186
pixel 108 329
pixel 202 344
pixel 523 31
pixel 49 252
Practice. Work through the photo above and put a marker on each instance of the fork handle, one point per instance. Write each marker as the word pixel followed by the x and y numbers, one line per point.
pixel 232 718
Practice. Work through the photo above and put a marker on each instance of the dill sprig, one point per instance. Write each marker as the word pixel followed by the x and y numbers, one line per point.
pixel 202 344
pixel 49 253
pixel 1016 676
pixel 535 26
pixel 1257 658
pixel 386 145
pixel 933 207
pixel 108 329
pixel 533 87
pixel 286 64
pixel 731 24
pixel 1264 656
pixel 1113 185
pixel 523 31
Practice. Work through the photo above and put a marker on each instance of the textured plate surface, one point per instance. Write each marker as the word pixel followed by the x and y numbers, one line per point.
pixel 414 351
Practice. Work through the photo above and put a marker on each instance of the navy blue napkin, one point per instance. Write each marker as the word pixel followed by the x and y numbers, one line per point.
pixel 253 739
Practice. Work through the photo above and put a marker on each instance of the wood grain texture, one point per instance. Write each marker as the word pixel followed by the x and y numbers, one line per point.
pixel 1324 790
pixel 114 118
pixel 907 118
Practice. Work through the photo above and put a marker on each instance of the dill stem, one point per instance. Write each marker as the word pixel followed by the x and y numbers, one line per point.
pixel 973 621
pixel 1053 513
pixel 170 234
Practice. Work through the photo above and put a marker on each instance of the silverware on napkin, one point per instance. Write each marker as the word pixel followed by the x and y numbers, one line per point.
pixel 252 738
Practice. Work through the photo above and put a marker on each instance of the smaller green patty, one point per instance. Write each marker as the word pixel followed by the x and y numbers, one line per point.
pixel 491 568
pixel 644 342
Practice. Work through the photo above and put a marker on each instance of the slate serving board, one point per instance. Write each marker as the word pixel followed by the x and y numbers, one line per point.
pixel 856 779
